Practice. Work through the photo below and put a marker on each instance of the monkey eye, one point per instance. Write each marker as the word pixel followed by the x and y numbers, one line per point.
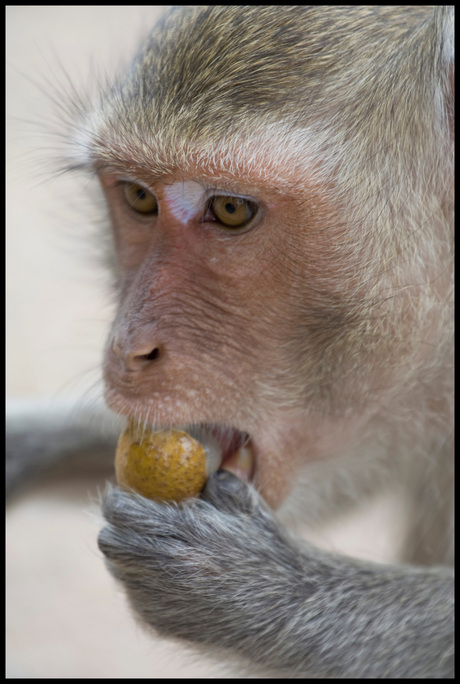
pixel 140 199
pixel 232 212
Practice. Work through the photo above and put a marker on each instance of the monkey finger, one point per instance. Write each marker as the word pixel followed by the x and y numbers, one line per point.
pixel 125 509
pixel 227 492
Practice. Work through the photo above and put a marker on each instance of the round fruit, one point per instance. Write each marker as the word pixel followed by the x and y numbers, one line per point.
pixel 169 465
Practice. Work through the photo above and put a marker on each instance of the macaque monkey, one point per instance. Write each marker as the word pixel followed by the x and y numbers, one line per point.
pixel 279 181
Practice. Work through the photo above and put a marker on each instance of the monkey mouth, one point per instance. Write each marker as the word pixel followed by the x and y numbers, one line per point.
pixel 226 447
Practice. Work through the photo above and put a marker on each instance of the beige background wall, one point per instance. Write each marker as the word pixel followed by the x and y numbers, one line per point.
pixel 58 308
pixel 66 618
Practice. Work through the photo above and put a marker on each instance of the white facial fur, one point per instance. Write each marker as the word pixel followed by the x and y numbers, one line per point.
pixel 184 199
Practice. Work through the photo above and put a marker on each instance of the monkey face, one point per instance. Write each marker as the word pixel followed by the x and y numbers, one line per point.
pixel 224 319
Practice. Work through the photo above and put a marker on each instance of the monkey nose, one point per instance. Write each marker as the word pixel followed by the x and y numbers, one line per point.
pixel 133 355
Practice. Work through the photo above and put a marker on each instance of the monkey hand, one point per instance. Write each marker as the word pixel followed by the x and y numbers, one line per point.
pixel 206 570
pixel 221 572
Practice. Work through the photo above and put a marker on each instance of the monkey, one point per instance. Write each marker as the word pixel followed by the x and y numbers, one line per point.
pixel 279 182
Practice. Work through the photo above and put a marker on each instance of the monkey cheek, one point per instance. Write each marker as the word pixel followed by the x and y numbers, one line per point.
pixel 274 487
pixel 273 478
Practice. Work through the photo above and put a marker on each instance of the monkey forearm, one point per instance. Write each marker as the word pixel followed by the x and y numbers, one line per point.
pixel 40 438
pixel 362 620
pixel 220 571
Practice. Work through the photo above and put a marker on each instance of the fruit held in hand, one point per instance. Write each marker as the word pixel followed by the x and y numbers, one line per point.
pixel 168 466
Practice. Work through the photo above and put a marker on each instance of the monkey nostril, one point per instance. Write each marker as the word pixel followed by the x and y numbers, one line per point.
pixel 152 356
pixel 137 356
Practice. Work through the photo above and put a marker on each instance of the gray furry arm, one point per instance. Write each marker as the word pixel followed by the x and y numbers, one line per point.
pixel 221 572
pixel 62 440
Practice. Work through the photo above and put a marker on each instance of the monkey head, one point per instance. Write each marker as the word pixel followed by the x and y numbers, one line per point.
pixel 263 220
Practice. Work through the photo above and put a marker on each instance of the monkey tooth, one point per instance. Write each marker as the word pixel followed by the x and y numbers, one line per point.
pixel 241 463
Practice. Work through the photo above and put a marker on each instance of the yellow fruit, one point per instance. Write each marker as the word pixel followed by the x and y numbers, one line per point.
pixel 169 465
